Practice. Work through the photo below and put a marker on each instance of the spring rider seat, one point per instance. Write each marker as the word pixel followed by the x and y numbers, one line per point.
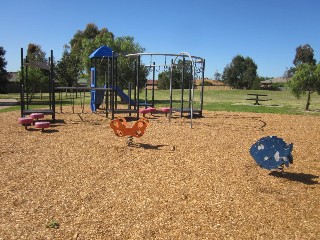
pixel 121 128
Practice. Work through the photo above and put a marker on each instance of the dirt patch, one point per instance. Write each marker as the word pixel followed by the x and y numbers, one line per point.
pixel 80 181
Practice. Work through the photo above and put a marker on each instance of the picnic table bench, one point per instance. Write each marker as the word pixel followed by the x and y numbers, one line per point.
pixel 257 98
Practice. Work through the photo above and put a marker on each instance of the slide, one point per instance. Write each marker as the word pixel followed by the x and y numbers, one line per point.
pixel 124 97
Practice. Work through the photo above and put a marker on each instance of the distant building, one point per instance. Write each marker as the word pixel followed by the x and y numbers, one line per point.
pixel 268 83
pixel 13 85
pixel 150 84
pixel 215 84
pixel 210 82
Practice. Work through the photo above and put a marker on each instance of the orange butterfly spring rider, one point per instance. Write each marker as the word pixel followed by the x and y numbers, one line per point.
pixel 121 128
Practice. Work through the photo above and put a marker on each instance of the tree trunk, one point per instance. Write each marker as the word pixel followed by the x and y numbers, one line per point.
pixel 308 101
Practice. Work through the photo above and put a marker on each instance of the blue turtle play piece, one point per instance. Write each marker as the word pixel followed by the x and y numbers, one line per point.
pixel 272 153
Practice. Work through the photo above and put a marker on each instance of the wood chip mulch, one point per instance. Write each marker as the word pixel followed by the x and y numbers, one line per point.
pixel 78 180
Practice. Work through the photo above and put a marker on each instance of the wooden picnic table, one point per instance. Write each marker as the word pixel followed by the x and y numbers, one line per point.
pixel 257 98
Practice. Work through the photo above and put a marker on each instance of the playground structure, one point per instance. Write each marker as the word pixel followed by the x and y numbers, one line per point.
pixel 104 68
pixel 26 98
pixel 104 63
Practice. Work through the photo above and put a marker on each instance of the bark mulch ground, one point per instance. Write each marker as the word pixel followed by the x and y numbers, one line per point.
pixel 78 180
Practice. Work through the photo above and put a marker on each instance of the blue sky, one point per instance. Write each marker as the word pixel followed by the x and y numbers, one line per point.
pixel 268 31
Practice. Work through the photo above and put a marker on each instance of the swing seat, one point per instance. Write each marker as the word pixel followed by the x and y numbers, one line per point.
pixel 121 129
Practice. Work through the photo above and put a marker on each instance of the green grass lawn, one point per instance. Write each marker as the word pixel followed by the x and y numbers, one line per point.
pixel 282 102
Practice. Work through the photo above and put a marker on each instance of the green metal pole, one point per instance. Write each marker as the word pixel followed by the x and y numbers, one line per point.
pixel 22 85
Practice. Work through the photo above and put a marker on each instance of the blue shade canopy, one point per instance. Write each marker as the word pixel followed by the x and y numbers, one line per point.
pixel 101 52
pixel 271 152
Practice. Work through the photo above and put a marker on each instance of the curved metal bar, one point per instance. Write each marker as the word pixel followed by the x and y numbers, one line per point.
pixel 166 54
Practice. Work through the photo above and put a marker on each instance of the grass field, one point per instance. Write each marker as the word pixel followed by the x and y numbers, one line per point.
pixel 282 102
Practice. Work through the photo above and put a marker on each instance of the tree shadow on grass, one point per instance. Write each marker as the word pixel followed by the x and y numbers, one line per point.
pixel 298 177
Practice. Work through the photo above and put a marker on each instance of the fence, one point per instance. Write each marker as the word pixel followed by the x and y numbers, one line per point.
pixel 216 87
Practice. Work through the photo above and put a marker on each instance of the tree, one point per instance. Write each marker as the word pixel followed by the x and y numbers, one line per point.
pixel 38 78
pixel 126 45
pixel 304 54
pixel 164 78
pixel 305 80
pixel 85 42
pixel 89 43
pixel 241 73
pixel 67 69
pixel 76 54
pixel 3 72
pixel 217 76
pixel 289 72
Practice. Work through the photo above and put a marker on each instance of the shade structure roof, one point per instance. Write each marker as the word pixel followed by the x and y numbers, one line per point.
pixel 101 52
